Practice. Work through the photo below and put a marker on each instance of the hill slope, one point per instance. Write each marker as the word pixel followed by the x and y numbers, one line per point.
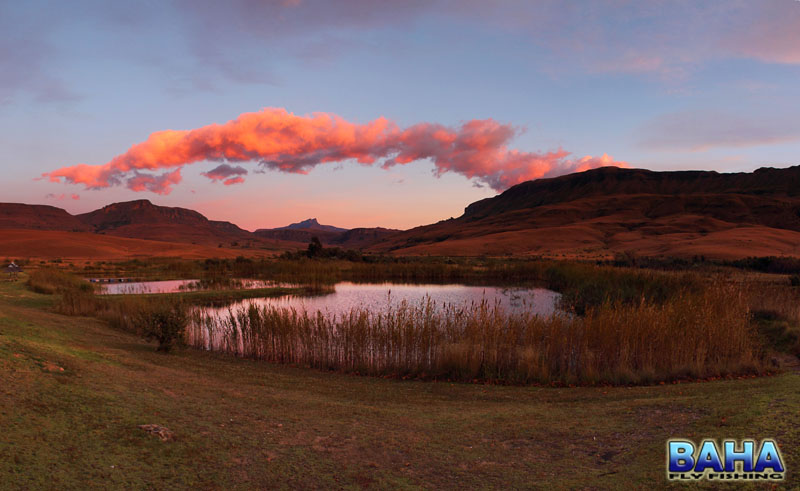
pixel 143 220
pixel 48 244
pixel 609 210
pixel 38 217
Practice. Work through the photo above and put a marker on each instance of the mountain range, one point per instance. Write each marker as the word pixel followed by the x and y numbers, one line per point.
pixel 591 214
pixel 144 220
pixel 612 210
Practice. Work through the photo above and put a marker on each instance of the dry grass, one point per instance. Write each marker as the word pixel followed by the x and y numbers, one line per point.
pixel 50 281
pixel 693 334
pixel 49 244
pixel 776 299
pixel 776 312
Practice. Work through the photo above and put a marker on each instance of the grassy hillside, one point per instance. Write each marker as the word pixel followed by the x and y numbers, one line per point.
pixel 48 244
pixel 73 392
pixel 606 211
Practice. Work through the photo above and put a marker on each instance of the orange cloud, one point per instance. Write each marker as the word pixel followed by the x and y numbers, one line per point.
pixel 233 180
pixel 283 141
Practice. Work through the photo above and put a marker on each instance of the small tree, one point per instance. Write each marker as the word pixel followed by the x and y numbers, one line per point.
pixel 163 321
pixel 315 247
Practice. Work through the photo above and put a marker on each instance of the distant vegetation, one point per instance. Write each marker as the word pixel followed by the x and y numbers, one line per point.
pixel 771 264
pixel 316 250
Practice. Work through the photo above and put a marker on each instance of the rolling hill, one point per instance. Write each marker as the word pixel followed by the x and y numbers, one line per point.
pixel 151 225
pixel 39 217
pixel 143 220
pixel 49 244
pixel 601 212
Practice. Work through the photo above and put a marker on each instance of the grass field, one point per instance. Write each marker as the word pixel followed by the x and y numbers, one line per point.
pixel 73 392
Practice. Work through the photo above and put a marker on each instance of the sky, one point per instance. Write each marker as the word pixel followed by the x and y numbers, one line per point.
pixel 368 113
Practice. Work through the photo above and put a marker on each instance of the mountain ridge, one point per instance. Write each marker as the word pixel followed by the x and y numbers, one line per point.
pixel 592 214
pixel 142 219
pixel 605 211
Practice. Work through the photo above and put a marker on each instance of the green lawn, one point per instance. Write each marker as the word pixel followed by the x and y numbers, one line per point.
pixel 243 424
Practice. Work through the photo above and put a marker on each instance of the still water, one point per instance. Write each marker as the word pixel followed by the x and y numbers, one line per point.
pixel 170 286
pixel 377 297
pixel 224 329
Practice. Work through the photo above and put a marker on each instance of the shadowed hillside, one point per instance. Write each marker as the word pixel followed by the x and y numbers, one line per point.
pixel 143 220
pixel 39 217
pixel 610 210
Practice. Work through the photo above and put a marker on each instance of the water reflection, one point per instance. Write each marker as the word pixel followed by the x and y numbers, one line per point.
pixel 380 296
pixel 176 286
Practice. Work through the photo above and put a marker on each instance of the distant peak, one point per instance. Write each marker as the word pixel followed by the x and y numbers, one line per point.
pixel 312 224
pixel 134 203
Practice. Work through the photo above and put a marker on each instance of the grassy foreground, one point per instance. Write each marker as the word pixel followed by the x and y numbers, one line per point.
pixel 243 424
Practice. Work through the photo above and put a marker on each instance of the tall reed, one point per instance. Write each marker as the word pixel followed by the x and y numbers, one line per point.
pixel 692 335
pixel 50 280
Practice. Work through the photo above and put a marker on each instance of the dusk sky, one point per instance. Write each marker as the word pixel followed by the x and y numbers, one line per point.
pixel 394 114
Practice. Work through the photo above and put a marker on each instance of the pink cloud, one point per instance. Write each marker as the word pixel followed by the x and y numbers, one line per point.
pixel 771 32
pixel 700 130
pixel 160 184
pixel 62 196
pixel 233 180
pixel 228 174
pixel 279 140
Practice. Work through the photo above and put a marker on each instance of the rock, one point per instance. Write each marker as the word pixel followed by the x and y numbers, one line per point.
pixel 162 432
pixel 51 367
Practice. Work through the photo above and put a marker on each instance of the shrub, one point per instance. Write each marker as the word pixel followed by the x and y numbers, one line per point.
pixel 161 320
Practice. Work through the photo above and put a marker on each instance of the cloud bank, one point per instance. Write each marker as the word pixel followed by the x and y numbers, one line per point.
pixel 282 141
pixel 700 130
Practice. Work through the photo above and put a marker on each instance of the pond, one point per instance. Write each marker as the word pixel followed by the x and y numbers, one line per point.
pixel 171 286
pixel 377 297
pixel 381 330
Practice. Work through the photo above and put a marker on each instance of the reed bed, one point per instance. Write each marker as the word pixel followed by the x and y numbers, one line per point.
pixel 776 313
pixel 776 300
pixel 692 335
pixel 51 280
